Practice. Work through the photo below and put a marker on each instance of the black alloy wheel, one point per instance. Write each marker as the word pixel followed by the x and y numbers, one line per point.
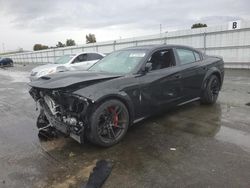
pixel 215 88
pixel 211 91
pixel 109 123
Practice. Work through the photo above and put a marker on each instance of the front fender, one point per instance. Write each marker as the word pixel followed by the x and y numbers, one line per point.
pixel 123 97
pixel 99 97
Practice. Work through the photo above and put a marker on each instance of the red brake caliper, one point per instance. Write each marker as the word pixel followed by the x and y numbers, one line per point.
pixel 115 117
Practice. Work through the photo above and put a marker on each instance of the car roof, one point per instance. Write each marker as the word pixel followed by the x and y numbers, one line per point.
pixel 90 52
pixel 87 52
pixel 156 46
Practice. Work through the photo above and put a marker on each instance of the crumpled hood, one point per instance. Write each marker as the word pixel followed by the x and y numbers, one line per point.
pixel 65 79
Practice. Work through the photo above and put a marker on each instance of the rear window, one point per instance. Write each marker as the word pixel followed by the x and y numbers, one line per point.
pixel 185 56
pixel 197 56
pixel 93 56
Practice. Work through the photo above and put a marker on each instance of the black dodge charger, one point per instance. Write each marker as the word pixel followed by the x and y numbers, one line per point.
pixel 123 88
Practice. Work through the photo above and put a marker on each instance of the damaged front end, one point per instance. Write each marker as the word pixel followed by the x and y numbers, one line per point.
pixel 63 111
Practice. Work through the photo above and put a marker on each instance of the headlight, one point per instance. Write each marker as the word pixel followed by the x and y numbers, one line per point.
pixel 52 71
pixel 33 73
pixel 43 73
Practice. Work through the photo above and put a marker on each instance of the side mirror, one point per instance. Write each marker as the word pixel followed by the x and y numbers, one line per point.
pixel 148 67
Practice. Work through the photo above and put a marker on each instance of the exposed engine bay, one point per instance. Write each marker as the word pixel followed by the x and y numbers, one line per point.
pixel 62 110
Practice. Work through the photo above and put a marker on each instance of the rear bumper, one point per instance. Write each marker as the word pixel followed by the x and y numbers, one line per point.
pixel 64 128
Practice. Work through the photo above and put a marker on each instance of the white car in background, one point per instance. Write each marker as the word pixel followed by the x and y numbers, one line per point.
pixel 68 62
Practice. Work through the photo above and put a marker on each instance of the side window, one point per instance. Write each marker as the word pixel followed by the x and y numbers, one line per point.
pixel 185 56
pixel 162 59
pixel 197 56
pixel 93 56
pixel 80 58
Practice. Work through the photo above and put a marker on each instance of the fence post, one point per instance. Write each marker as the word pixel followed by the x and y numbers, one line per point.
pixel 19 59
pixel 22 58
pixel 165 40
pixel 47 56
pixel 29 58
pixel 54 54
pixel 204 42
pixel 114 45
pixel 41 56
pixel 36 58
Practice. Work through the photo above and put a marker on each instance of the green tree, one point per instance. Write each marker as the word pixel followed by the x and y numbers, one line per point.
pixel 90 38
pixel 60 45
pixel 37 47
pixel 70 42
pixel 198 25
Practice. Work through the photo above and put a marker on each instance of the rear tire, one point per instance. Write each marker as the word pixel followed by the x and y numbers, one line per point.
pixel 11 64
pixel 108 123
pixel 211 92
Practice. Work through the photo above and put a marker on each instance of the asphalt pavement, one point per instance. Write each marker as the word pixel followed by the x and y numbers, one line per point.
pixel 191 146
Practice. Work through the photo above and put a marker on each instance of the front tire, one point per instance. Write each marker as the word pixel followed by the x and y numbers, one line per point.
pixel 45 131
pixel 108 123
pixel 211 92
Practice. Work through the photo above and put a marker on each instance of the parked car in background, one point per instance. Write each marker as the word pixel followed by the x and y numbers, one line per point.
pixel 68 62
pixel 6 62
pixel 123 88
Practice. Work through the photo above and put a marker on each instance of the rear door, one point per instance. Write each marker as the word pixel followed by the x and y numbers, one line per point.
pixel 192 72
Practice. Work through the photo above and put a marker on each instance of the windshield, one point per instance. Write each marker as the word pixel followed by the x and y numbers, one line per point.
pixel 64 59
pixel 119 62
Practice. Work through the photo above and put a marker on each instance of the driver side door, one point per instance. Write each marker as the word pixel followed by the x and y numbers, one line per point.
pixel 160 88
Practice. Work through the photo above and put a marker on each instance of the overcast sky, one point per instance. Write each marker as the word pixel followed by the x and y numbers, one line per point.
pixel 26 22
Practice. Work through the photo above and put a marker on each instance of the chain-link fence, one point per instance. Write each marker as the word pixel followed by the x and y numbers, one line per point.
pixel 232 44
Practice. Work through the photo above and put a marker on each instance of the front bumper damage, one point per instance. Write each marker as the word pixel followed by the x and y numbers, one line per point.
pixel 66 116
pixel 74 131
